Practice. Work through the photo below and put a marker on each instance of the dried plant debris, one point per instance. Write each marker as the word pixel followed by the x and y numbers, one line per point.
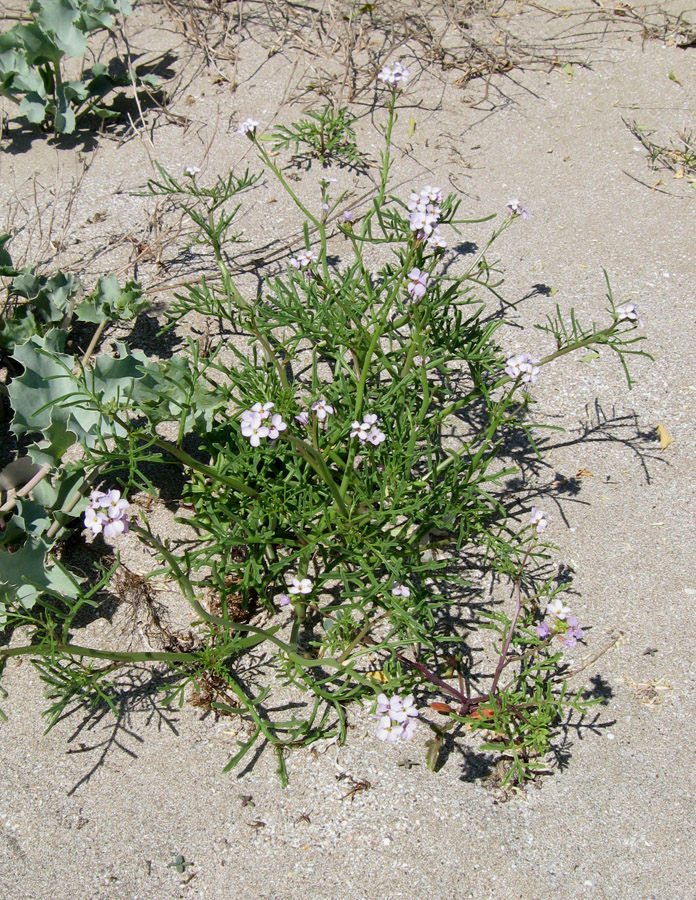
pixel 678 155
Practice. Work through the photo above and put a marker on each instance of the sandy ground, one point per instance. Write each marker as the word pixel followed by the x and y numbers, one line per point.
pixel 97 809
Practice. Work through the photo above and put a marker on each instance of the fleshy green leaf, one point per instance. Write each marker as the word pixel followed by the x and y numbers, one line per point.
pixel 111 302
pixel 33 107
pixel 59 17
pixel 25 575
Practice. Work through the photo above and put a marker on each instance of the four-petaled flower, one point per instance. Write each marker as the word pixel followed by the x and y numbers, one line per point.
pixel 375 436
pixel 248 126
pixel 394 78
pixel 417 284
pixel 191 171
pixel 253 428
pixel 557 608
pixel 538 520
pixel 436 241
pixel 401 590
pixel 543 630
pixel 322 409
pixel 277 425
pixel 303 417
pixel 298 586
pixel 263 409
pixel 95 520
pixel 516 208
pixel 360 430
pixel 628 313
pixel 523 367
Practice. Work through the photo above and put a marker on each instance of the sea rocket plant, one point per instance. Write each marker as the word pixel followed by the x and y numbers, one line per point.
pixel 262 520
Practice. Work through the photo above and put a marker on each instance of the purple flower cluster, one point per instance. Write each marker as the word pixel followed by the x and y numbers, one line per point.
pixel 107 513
pixel 258 423
pixel 395 78
pixel 563 625
pixel 367 430
pixel 424 214
pixel 396 718
pixel 303 260
pixel 523 367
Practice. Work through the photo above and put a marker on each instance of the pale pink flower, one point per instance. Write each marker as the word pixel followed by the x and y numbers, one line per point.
pixel 248 127
pixel 394 78
pixel 628 313
pixel 95 520
pixel 277 425
pixel 516 209
pixel 538 520
pixel 253 429
pixel 523 367
pixel 557 608
pixel 322 409
pixel 417 284
pixel 298 586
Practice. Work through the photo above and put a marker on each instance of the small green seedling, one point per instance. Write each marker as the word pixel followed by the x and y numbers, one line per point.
pixel 179 863
pixel 327 135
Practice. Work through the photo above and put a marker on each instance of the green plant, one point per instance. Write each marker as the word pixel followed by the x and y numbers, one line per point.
pixel 341 466
pixel 32 63
pixel 327 134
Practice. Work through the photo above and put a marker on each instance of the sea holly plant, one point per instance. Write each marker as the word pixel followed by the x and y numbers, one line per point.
pixel 338 438
pixel 32 62
pixel 37 303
